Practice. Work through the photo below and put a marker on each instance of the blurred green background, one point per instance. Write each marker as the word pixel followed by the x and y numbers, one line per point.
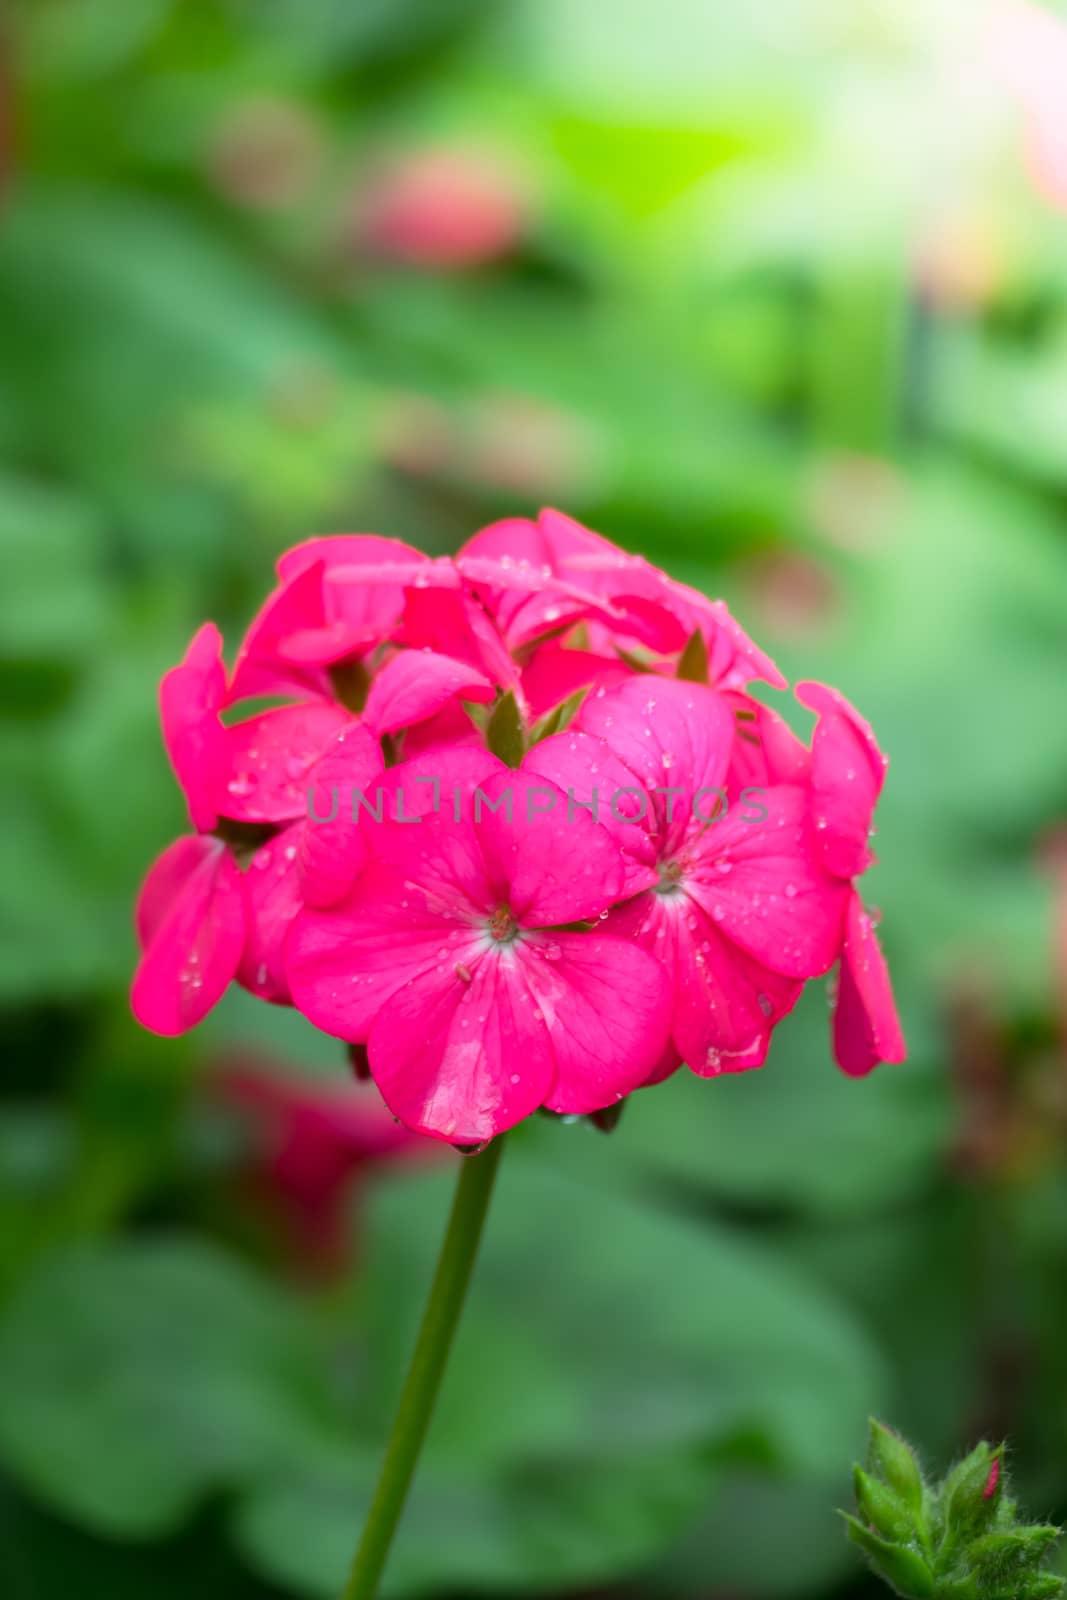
pixel 774 293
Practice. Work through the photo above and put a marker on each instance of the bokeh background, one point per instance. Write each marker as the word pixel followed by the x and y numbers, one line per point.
pixel 775 294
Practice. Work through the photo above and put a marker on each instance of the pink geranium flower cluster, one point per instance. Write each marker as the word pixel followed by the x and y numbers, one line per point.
pixel 512 824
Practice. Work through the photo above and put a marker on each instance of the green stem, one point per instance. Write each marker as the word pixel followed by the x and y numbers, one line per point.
pixel 447 1292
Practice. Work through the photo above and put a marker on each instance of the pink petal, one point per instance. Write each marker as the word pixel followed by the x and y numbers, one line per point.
pixel 269 758
pixel 345 549
pixel 450 729
pixel 290 610
pixel 847 774
pixel 311 648
pixel 343 964
pixel 724 1002
pixel 165 880
pixel 190 697
pixel 192 912
pixel 667 1065
pixel 673 735
pixel 738 1060
pixel 416 684
pixel 552 867
pixel 331 850
pixel 607 1006
pixel 766 750
pixel 372 596
pixel 569 572
pixel 463 1060
pixel 443 856
pixel 337 598
pixel 456 625
pixel 866 1027
pixel 528 602
pixel 636 591
pixel 577 764
pixel 555 672
pixel 272 898
pixel 516 539
pixel 733 659
pixel 759 883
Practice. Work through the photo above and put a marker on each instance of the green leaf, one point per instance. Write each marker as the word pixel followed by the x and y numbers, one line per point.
pixel 718 1339
pixel 142 1376
pixel 46 531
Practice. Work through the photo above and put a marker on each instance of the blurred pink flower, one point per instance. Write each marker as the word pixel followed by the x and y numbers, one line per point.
pixel 440 207
pixel 795 595
pixel 1026 47
pixel 315 1144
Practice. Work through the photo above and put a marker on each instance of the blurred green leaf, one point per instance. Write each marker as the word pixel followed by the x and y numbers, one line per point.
pixel 145 1375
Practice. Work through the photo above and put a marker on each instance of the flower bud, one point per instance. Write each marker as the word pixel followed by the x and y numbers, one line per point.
pixel 972 1494
pixel 960 1541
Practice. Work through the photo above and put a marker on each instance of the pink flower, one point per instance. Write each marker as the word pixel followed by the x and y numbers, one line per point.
pixel 441 208
pixel 847 774
pixel 736 906
pixel 652 879
pixel 1026 47
pixel 456 960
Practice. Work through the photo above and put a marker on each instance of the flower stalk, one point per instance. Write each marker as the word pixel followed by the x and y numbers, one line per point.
pixel 448 1291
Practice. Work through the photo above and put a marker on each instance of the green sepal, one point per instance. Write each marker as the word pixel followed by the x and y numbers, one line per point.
pixel 350 682
pixel 902 1567
pixel 883 1509
pixel 607 1120
pixel 1001 1558
pixel 892 1459
pixel 505 732
pixel 1041 1586
pixel 693 661
pixel 560 717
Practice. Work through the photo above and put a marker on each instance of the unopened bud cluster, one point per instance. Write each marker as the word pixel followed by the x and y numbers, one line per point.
pixel 960 1540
